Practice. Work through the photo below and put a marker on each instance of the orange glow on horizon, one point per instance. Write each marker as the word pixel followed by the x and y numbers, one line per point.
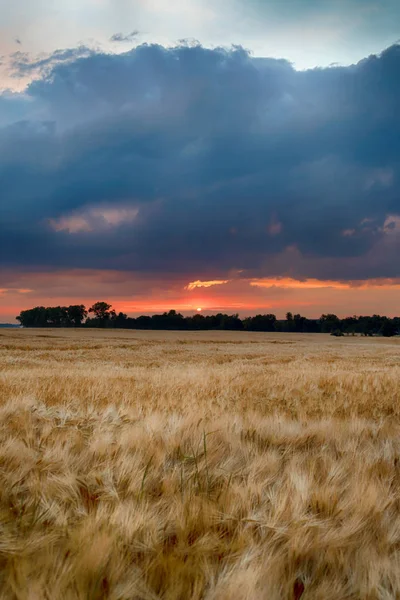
pixel 313 284
pixel 135 294
pixel 301 284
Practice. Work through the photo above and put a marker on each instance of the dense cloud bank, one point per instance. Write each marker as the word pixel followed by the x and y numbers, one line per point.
pixel 202 161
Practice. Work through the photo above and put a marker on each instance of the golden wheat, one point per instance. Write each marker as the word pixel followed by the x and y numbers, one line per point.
pixel 217 466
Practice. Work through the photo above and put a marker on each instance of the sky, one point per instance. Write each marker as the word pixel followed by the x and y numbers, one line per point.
pixel 228 155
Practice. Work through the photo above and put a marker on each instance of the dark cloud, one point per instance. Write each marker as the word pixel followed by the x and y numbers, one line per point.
pixel 223 162
pixel 120 37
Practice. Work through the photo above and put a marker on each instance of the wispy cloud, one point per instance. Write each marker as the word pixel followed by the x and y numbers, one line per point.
pixel 120 37
pixel 15 291
pixel 23 63
pixel 289 283
pixel 204 284
pixel 315 284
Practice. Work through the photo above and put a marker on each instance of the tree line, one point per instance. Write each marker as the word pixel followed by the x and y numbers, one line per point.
pixel 101 314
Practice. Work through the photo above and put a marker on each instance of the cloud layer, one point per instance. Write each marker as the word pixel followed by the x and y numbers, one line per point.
pixel 201 163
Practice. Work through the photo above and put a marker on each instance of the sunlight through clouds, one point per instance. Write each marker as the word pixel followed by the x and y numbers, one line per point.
pixel 94 219
pixel 204 284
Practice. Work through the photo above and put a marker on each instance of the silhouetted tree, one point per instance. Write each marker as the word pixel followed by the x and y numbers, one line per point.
pixel 76 314
pixel 299 323
pixel 168 320
pixel 120 321
pixel 337 333
pixel 350 325
pixel 388 328
pixel 196 322
pixel 260 323
pixel 105 316
pixel 56 316
pixel 143 322
pixel 34 317
pixel 101 310
pixel 329 323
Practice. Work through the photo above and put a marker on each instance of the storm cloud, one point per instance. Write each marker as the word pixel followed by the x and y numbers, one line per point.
pixel 202 162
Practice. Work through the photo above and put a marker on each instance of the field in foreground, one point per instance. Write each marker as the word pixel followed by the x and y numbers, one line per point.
pixel 155 465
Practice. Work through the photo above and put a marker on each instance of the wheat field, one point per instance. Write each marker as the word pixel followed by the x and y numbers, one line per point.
pixel 212 465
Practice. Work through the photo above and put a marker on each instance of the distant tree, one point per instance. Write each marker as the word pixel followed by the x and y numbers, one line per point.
pixel 120 321
pixel 299 323
pixel 34 317
pixel 366 327
pixel 229 322
pixel 370 326
pixel 311 326
pixel 76 314
pixel 56 316
pixel 388 328
pixel 105 316
pixel 329 323
pixel 289 324
pixel 53 316
pixel 396 322
pixel 196 322
pixel 350 325
pixel 168 320
pixel 102 311
pixel 143 322
pixel 337 333
pixel 260 323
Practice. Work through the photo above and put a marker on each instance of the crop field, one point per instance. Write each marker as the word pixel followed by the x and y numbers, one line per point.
pixel 211 465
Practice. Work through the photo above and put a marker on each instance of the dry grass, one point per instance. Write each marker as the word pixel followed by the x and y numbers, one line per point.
pixel 198 465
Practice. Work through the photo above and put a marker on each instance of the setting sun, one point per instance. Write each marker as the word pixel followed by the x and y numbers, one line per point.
pixel 198 309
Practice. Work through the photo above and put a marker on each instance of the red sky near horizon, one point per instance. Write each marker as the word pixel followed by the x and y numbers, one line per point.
pixel 310 297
